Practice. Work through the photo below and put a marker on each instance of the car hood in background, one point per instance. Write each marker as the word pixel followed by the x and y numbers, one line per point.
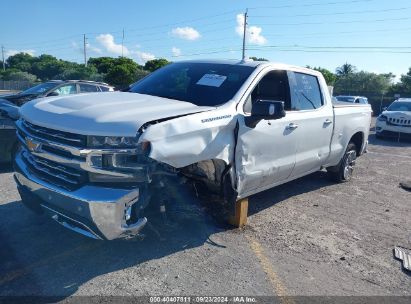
pixel 19 99
pixel 11 110
pixel 106 114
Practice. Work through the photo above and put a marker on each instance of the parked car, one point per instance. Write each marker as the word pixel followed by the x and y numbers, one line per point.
pixel 237 128
pixel 395 121
pixel 57 88
pixel 352 99
pixel 10 103
pixel 9 113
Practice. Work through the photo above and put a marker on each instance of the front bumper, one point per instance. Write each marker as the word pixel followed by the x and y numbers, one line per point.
pixel 94 211
pixel 388 130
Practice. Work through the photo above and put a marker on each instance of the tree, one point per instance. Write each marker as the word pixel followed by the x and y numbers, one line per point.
pixel 102 64
pixel 345 70
pixel 121 76
pixel 21 61
pixel 329 76
pixel 155 64
pixel 403 87
pixel 20 76
pixel 81 72
pixel 363 83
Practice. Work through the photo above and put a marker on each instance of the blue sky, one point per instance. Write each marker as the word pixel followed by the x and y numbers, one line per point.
pixel 312 32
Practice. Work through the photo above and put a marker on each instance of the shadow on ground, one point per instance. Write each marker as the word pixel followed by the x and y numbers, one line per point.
pixel 388 141
pixel 39 257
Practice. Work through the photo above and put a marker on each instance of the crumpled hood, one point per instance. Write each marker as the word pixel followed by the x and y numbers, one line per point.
pixel 106 114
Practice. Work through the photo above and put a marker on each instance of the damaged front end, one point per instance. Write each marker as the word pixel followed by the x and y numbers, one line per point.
pixel 100 186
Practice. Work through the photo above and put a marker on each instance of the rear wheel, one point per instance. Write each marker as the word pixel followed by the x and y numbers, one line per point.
pixel 344 170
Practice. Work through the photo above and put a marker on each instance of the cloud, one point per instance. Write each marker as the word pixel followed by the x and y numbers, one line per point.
pixel 253 33
pixel 9 53
pixel 107 41
pixel 186 33
pixel 93 48
pixel 143 57
pixel 176 51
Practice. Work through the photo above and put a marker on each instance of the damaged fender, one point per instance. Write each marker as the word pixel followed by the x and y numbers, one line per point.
pixel 193 138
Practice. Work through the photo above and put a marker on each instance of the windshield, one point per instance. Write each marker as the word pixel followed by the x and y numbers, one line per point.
pixel 40 88
pixel 400 106
pixel 203 84
pixel 345 98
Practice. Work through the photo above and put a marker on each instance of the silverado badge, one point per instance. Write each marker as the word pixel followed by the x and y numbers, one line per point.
pixel 32 145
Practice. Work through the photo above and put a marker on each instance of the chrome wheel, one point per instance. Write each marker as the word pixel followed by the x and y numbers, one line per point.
pixel 349 163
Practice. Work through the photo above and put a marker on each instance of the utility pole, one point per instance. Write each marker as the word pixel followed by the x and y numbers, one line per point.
pixel 122 45
pixel 245 32
pixel 85 49
pixel 2 55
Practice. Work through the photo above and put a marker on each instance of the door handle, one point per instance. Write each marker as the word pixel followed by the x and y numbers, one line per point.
pixel 327 122
pixel 292 126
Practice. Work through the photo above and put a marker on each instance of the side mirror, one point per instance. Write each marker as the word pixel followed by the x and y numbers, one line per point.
pixel 384 109
pixel 265 109
pixel 54 93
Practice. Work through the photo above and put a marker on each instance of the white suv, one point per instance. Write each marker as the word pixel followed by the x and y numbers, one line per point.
pixel 395 121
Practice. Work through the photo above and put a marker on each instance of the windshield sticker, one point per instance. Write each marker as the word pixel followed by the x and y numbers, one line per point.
pixel 215 118
pixel 212 80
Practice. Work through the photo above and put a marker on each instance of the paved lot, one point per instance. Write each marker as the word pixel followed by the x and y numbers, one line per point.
pixel 308 237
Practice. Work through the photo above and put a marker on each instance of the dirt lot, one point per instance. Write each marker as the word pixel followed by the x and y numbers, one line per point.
pixel 308 237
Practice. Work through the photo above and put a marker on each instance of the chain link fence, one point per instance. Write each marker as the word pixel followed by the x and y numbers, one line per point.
pixel 15 85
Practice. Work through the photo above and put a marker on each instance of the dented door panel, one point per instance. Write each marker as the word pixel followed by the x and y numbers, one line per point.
pixel 265 155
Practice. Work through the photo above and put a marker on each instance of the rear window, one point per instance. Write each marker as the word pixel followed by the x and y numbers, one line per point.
pixel 203 84
pixel 85 88
pixel 104 89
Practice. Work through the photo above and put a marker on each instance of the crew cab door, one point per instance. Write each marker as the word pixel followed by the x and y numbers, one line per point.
pixel 312 114
pixel 265 154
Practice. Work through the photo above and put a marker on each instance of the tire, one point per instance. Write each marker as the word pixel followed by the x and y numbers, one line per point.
pixel 344 170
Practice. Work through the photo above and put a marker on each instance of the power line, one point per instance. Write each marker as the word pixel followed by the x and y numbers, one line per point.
pixel 338 22
pixel 310 4
pixel 333 14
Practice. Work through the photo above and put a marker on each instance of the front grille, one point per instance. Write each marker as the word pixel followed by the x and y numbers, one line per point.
pixel 75 140
pixel 399 122
pixel 55 173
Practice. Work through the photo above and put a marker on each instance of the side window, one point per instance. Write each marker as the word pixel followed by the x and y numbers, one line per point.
pixel 66 89
pixel 85 88
pixel 273 86
pixel 305 92
pixel 104 89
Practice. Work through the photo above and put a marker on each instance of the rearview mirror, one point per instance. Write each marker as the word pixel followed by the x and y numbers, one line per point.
pixel 54 93
pixel 265 109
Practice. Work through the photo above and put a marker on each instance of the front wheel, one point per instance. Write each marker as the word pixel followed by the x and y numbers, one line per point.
pixel 344 170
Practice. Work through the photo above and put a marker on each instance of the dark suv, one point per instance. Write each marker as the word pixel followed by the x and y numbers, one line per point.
pixel 57 88
pixel 9 107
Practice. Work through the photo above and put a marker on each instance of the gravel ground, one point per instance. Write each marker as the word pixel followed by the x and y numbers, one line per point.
pixel 308 237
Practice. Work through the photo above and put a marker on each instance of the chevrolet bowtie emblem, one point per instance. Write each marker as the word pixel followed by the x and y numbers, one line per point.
pixel 33 145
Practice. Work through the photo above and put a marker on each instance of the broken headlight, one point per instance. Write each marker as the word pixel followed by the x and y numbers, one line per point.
pixel 120 166
pixel 111 142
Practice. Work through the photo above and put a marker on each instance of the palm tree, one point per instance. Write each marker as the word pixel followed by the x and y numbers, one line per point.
pixel 345 70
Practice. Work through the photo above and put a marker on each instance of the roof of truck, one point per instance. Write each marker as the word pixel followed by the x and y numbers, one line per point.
pixel 251 63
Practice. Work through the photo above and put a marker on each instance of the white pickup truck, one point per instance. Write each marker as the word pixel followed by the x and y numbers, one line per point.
pixel 95 161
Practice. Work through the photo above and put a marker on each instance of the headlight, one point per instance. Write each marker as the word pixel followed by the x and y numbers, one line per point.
pixel 382 118
pixel 111 142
